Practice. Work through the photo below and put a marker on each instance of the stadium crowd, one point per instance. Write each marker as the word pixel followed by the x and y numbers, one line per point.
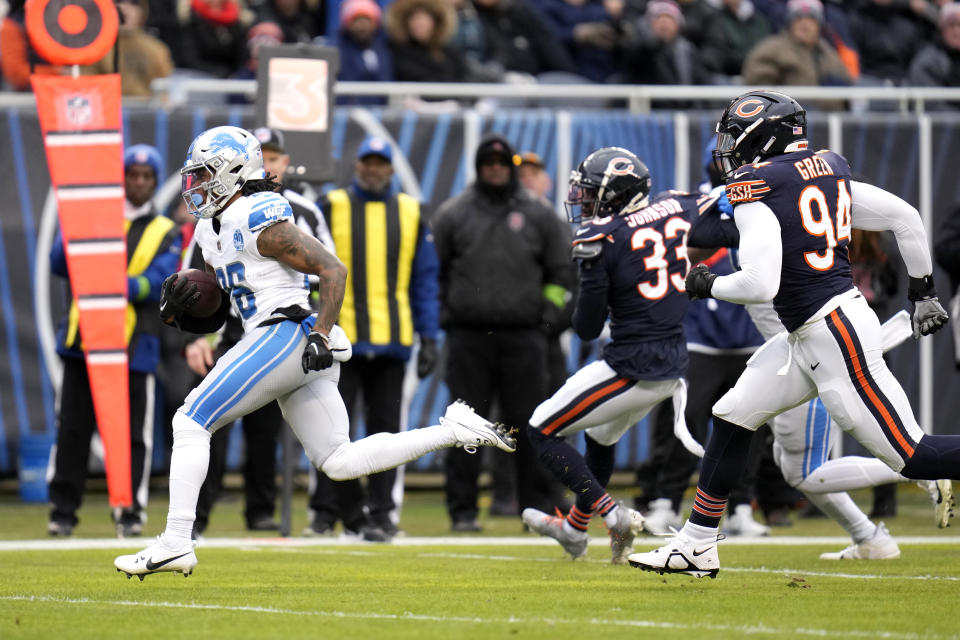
pixel 688 42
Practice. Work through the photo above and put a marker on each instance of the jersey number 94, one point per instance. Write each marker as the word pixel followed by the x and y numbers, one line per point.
pixel 820 223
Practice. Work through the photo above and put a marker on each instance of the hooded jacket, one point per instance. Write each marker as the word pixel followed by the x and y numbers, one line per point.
pixel 497 249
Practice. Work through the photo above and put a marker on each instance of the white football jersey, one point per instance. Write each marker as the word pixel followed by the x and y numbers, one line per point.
pixel 257 285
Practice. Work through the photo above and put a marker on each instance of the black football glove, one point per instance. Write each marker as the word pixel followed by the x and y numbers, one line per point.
pixel 316 355
pixel 176 298
pixel 927 315
pixel 699 282
pixel 427 357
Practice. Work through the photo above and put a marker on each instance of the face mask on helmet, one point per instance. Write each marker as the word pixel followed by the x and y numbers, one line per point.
pixel 219 162
pixel 581 201
pixel 756 126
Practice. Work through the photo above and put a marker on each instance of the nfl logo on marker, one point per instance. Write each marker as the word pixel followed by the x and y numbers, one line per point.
pixel 78 109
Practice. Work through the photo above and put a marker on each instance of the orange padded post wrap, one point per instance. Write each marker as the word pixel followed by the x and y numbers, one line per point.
pixel 80 120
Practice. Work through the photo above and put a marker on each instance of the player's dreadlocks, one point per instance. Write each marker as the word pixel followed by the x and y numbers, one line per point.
pixel 267 183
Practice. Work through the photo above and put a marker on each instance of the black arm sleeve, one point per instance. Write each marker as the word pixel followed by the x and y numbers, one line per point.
pixel 208 324
pixel 709 231
pixel 591 311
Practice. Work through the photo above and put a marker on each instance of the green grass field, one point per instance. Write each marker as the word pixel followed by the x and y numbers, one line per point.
pixel 501 584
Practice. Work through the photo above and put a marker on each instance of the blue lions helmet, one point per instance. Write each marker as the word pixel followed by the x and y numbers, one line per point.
pixel 219 162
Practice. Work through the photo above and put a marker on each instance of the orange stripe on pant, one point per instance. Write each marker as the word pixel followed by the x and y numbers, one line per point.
pixel 566 418
pixel 862 380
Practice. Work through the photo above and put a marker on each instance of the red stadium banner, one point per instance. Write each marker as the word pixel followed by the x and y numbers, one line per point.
pixel 81 124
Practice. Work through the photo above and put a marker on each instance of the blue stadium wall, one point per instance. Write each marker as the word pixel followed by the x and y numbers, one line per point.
pixel 884 149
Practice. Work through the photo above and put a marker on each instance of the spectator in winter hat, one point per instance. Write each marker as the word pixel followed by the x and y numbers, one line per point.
pixel 364 53
pixel 262 34
pixel 798 55
pixel 420 32
pixel 658 53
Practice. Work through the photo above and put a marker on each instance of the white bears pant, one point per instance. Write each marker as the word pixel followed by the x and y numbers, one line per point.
pixel 603 403
pixel 838 357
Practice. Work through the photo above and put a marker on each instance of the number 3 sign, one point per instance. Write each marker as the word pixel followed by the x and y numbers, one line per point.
pixel 295 94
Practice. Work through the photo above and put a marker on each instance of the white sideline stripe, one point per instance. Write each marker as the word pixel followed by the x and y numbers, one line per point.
pixel 107 358
pixel 78 544
pixel 113 302
pixel 89 193
pixel 81 139
pixel 416 617
pixel 94 248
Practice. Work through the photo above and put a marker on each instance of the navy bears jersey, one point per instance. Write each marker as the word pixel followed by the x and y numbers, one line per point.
pixel 809 192
pixel 638 278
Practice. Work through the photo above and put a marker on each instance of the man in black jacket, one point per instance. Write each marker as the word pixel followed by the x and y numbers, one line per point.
pixel 504 271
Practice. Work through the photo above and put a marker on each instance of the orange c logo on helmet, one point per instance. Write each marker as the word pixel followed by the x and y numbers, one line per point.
pixel 620 166
pixel 745 113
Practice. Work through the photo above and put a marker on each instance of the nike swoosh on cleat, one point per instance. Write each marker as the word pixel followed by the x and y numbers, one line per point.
pixel 151 566
pixel 700 552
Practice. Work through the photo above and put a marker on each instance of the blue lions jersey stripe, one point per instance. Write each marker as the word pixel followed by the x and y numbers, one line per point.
pixel 227 389
pixel 817 437
pixel 269 209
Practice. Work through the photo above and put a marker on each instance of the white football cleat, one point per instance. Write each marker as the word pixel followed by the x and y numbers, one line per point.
pixel 472 431
pixel 681 555
pixel 660 518
pixel 629 525
pixel 552 527
pixel 941 494
pixel 880 546
pixel 157 558
pixel 741 524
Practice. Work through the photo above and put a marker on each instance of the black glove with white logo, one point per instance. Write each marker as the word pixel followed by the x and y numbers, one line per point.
pixel 316 355
pixel 927 314
pixel 176 298
pixel 699 282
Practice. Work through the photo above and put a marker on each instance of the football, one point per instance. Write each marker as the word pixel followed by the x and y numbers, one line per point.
pixel 210 293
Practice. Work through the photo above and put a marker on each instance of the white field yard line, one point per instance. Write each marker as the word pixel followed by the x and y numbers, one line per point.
pixel 766 570
pixel 351 547
pixel 53 544
pixel 539 621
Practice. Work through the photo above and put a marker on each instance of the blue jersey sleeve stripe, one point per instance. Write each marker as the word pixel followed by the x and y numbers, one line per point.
pixel 263 214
